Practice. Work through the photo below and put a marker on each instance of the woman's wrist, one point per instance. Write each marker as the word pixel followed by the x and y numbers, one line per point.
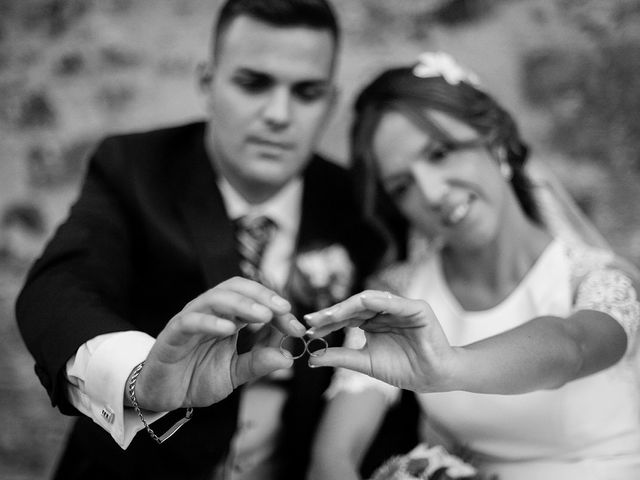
pixel 461 373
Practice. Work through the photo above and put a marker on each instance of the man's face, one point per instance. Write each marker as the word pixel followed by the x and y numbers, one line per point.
pixel 268 99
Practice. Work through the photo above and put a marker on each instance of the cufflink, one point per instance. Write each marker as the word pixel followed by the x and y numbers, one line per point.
pixel 108 414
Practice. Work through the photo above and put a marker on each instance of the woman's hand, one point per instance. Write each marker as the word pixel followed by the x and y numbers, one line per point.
pixel 194 361
pixel 405 347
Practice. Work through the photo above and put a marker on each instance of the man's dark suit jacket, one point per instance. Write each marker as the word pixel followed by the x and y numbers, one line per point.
pixel 147 234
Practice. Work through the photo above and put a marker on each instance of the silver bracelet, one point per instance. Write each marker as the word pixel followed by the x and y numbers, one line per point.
pixel 132 396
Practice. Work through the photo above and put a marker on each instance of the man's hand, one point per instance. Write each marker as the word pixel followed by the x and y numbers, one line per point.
pixel 194 362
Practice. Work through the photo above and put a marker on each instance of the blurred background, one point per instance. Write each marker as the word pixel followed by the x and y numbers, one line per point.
pixel 72 71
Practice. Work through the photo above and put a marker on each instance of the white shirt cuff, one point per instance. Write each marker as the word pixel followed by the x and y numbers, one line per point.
pixel 98 376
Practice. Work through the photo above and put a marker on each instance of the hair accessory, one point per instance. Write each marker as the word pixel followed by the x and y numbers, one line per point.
pixel 441 64
pixel 316 353
pixel 134 401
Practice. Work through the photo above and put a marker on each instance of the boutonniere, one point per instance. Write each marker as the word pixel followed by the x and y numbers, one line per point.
pixel 425 463
pixel 321 277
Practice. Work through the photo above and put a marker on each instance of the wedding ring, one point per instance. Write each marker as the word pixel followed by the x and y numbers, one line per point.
pixel 319 352
pixel 287 353
pixel 307 343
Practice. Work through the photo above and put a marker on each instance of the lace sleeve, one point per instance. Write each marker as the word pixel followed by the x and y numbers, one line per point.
pixel 611 291
pixel 354 382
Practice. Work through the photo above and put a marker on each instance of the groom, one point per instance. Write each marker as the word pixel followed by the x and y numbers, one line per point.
pixel 146 267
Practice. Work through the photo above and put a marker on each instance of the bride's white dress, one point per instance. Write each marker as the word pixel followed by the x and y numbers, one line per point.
pixel 587 429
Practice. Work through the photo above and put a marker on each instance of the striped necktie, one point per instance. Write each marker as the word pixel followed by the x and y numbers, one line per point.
pixel 253 236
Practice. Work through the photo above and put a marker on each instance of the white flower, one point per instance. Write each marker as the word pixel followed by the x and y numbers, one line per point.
pixel 438 457
pixel 440 64
pixel 326 274
pixel 421 463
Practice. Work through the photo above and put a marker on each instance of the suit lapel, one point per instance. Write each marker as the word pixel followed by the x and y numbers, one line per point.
pixel 202 209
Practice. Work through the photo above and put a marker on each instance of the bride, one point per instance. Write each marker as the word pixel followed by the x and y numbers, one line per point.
pixel 518 338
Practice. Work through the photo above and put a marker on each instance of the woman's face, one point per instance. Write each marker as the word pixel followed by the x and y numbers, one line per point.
pixel 456 193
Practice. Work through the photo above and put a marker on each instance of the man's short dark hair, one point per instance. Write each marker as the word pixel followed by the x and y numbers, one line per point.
pixel 314 14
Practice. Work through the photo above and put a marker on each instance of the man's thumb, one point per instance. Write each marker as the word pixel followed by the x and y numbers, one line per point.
pixel 259 362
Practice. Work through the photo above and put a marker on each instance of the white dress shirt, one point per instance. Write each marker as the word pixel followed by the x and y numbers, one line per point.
pixel 99 370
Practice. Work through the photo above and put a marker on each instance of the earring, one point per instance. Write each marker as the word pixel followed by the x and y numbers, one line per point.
pixel 506 171
pixel 505 168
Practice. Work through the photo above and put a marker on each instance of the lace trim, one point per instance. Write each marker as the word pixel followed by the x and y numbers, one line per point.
pixel 584 259
pixel 599 285
pixel 611 291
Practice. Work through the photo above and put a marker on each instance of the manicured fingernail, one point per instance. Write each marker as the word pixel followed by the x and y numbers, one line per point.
pixel 279 301
pixel 297 326
pixel 313 366
pixel 311 331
